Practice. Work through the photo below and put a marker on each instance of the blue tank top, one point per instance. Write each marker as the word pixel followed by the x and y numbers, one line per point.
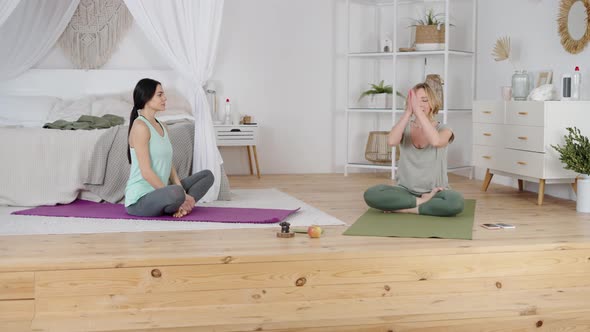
pixel 161 162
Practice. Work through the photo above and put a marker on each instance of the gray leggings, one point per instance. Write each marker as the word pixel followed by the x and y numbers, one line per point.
pixel 167 200
pixel 444 203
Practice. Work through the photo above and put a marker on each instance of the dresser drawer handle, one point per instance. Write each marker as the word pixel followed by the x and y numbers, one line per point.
pixel 487 134
pixel 524 138
pixel 487 112
pixel 523 113
pixel 521 162
pixel 486 157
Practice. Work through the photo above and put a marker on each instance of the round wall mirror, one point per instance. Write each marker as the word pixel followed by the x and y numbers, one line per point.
pixel 573 24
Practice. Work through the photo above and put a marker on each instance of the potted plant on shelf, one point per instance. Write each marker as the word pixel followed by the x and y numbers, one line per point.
pixel 575 154
pixel 430 32
pixel 380 95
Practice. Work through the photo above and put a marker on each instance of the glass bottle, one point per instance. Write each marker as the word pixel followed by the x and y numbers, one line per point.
pixel 520 85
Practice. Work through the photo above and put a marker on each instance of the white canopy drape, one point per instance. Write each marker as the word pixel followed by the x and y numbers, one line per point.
pixel 186 33
pixel 6 8
pixel 30 31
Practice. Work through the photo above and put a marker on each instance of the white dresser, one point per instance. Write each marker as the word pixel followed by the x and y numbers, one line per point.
pixel 514 139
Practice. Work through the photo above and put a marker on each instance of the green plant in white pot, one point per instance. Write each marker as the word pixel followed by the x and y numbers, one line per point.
pixel 575 154
pixel 380 95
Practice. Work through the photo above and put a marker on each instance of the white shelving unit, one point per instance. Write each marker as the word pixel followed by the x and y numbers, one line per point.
pixel 446 54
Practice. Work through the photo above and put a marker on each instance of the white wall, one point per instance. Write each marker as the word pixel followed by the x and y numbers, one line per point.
pixel 274 67
pixel 275 63
pixel 532 26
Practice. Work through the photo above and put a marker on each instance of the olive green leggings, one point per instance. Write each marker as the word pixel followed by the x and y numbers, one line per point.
pixel 445 203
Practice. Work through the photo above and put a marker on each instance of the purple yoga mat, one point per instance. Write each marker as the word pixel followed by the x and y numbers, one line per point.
pixel 88 209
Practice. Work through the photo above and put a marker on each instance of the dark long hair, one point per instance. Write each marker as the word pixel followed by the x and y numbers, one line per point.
pixel 144 91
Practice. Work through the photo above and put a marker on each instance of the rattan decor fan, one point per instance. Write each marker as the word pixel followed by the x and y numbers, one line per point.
pixel 377 150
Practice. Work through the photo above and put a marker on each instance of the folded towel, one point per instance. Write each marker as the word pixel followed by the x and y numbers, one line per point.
pixel 87 122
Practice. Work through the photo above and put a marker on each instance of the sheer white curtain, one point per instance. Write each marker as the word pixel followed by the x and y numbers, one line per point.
pixel 6 8
pixel 186 33
pixel 30 32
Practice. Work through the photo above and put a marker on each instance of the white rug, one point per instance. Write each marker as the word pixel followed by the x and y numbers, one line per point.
pixel 250 198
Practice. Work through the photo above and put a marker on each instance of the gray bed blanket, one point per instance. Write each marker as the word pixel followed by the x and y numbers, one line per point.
pixel 109 168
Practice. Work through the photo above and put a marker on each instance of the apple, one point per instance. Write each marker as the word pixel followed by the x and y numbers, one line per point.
pixel 314 231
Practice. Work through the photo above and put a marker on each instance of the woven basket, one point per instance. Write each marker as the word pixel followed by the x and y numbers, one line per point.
pixel 430 34
pixel 377 150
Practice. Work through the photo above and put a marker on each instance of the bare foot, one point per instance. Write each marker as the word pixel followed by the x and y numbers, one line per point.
pixel 180 213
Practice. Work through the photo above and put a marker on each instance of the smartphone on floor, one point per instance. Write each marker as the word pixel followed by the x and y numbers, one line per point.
pixel 507 226
pixel 491 226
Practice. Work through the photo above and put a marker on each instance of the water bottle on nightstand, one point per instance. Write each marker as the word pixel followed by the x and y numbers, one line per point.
pixel 227 112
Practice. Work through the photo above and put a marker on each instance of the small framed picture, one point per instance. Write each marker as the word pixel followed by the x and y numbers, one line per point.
pixel 544 77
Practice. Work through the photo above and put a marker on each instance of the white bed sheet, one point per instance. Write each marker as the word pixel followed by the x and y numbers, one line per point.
pixel 44 166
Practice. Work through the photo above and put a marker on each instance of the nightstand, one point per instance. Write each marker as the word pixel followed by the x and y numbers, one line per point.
pixel 241 135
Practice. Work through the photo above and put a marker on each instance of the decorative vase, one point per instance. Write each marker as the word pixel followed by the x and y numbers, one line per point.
pixel 436 83
pixel 583 194
pixel 380 100
pixel 520 85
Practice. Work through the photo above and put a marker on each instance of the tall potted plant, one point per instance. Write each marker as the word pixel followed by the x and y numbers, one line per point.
pixel 575 154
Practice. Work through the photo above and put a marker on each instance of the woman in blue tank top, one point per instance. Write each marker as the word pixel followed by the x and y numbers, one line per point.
pixel 153 187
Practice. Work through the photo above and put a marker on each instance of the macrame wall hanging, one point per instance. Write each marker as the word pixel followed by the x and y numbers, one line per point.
pixel 96 28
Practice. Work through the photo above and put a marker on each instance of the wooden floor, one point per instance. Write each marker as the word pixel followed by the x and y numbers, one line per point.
pixel 535 277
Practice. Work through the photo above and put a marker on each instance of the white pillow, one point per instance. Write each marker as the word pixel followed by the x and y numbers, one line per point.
pixel 173 118
pixel 114 106
pixel 174 99
pixel 176 102
pixel 71 110
pixel 126 96
pixel 26 111
pixel 12 123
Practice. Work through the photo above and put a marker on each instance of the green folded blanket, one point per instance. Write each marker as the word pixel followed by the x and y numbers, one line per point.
pixel 87 122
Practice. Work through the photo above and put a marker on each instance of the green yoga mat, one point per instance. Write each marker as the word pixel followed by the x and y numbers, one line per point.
pixel 376 223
